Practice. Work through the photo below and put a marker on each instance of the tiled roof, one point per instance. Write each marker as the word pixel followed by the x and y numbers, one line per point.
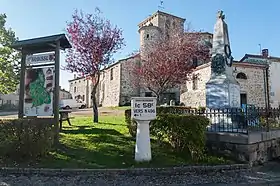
pixel 117 62
pixel 258 59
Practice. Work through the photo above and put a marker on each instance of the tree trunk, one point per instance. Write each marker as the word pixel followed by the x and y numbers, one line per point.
pixel 158 99
pixel 157 95
pixel 94 107
pixel 93 97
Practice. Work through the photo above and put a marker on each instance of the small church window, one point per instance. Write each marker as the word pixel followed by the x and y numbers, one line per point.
pixel 241 75
pixel 111 74
pixel 195 62
pixel 147 36
pixel 167 36
pixel 174 24
pixel 195 83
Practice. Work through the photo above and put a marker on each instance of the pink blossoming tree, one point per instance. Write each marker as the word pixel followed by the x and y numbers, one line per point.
pixel 170 62
pixel 94 40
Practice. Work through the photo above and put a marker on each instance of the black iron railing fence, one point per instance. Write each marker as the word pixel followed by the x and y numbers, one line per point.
pixel 242 120
pixel 235 120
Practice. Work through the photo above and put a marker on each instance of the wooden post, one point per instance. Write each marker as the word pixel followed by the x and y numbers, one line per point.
pixel 22 84
pixel 56 92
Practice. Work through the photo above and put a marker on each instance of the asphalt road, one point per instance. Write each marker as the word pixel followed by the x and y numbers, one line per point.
pixel 75 112
pixel 227 178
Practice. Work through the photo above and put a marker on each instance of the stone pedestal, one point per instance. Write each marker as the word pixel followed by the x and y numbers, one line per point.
pixel 223 95
pixel 143 146
pixel 222 92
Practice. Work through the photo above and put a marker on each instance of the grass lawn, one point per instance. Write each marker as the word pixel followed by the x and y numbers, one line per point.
pixel 107 145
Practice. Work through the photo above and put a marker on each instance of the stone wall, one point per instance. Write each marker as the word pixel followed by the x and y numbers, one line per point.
pixel 159 19
pixel 109 86
pixel 197 97
pixel 274 69
pixel 128 80
pixel 149 36
pixel 254 148
pixel 169 23
pixel 157 26
pixel 78 87
pixel 151 19
pixel 253 86
pixel 63 94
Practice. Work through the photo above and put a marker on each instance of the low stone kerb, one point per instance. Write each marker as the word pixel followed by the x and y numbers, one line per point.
pixel 130 171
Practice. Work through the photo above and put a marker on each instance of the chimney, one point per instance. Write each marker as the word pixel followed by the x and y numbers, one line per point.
pixel 265 53
pixel 74 76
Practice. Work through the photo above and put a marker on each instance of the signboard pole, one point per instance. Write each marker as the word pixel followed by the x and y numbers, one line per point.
pixel 22 83
pixel 143 110
pixel 56 93
pixel 143 144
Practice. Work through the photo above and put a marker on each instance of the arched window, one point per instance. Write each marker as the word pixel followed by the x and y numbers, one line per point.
pixel 241 75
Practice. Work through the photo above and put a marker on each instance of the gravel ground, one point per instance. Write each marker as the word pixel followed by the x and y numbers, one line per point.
pixel 124 180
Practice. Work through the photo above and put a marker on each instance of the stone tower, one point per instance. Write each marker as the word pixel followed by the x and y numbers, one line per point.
pixel 157 26
pixel 149 35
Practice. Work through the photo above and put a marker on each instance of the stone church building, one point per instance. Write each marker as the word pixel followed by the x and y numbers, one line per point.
pixel 116 86
pixel 258 86
pixel 256 74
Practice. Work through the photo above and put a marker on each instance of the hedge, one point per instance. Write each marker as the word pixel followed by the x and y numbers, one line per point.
pixel 186 133
pixel 132 126
pixel 22 139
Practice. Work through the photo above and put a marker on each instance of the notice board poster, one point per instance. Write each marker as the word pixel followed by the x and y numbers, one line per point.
pixel 39 86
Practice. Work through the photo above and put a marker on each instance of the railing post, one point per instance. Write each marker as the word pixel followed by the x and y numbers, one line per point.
pixel 267 116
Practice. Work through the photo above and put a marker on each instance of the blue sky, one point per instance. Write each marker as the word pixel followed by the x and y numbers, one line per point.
pixel 250 22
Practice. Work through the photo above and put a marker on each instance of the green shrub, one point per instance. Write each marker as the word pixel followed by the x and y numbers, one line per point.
pixel 132 125
pixel 22 139
pixel 184 132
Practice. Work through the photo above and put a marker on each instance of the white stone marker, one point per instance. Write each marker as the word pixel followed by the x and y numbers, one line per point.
pixel 143 110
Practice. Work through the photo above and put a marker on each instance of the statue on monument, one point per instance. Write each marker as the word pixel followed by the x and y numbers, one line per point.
pixel 222 53
pixel 221 15
pixel 219 61
pixel 218 64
